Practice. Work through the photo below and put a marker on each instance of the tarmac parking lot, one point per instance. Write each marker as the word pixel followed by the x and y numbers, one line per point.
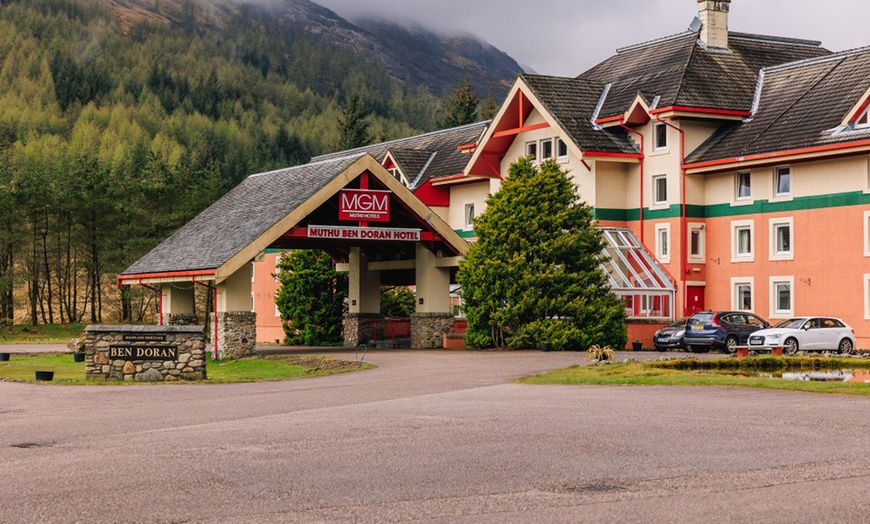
pixel 437 436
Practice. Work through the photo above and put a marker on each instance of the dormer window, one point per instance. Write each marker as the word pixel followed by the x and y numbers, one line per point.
pixel 864 119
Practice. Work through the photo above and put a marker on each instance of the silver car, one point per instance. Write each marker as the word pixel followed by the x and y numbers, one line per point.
pixel 807 334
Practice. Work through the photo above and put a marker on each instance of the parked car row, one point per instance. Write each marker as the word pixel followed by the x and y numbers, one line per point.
pixel 725 330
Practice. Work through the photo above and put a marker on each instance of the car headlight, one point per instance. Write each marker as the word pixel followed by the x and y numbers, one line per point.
pixel 774 337
pixel 679 333
pixel 657 333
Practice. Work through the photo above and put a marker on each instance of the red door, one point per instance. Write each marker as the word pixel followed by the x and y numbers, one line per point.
pixel 695 299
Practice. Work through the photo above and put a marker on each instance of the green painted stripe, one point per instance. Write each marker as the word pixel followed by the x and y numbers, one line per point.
pixel 855 198
pixel 465 234
pixel 272 251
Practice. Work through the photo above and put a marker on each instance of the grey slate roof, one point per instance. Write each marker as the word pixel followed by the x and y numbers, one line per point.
pixel 446 162
pixel 239 217
pixel 801 105
pixel 412 161
pixel 682 72
pixel 572 102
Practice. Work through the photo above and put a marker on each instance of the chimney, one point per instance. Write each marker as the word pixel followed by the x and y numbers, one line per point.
pixel 714 22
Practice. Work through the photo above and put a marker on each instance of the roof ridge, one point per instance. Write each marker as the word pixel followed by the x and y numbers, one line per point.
pixel 848 53
pixel 424 168
pixel 311 164
pixel 685 70
pixel 364 149
pixel 774 39
pixel 650 43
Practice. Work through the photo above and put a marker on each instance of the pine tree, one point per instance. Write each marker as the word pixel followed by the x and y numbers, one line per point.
pixel 354 124
pixel 533 276
pixel 488 109
pixel 460 106
pixel 311 298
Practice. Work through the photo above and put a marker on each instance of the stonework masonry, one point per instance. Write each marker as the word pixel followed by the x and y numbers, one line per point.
pixel 180 319
pixel 428 329
pixel 237 334
pixel 359 328
pixel 185 343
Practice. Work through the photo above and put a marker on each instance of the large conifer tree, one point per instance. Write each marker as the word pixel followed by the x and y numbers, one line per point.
pixel 533 277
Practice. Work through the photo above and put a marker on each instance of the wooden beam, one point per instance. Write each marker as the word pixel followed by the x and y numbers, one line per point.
pixel 391 265
pixel 518 130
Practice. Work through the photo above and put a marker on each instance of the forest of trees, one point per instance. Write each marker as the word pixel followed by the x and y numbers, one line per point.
pixel 111 140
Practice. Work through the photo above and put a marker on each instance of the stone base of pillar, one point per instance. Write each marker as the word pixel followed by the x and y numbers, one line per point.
pixel 428 329
pixel 180 319
pixel 360 328
pixel 236 334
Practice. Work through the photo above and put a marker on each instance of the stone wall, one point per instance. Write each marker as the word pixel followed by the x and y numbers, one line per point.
pixel 180 319
pixel 360 327
pixel 428 329
pixel 237 334
pixel 139 353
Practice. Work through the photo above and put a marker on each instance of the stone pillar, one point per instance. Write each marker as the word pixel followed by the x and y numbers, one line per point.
pixel 433 315
pixel 179 304
pixel 361 328
pixel 236 320
pixel 364 301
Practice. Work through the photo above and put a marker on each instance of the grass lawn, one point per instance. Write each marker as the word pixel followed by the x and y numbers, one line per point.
pixel 747 372
pixel 22 368
pixel 41 334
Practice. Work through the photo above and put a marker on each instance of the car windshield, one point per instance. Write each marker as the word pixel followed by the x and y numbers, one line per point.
pixel 678 323
pixel 791 323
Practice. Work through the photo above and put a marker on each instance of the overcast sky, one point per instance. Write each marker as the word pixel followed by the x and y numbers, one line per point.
pixel 566 37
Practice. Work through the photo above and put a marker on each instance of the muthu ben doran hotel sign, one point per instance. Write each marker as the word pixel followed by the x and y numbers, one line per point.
pixel 366 205
pixel 364 233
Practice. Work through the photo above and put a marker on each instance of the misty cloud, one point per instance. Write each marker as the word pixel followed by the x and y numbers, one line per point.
pixel 566 37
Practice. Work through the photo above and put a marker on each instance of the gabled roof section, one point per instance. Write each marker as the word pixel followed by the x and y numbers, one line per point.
pixel 447 161
pixel 412 162
pixel 800 111
pixel 685 74
pixel 858 111
pixel 261 209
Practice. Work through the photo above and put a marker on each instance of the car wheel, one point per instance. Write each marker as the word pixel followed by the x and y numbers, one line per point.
pixel 790 346
pixel 846 347
pixel 731 344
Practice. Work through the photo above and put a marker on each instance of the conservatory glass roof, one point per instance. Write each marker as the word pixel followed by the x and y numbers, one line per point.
pixel 629 266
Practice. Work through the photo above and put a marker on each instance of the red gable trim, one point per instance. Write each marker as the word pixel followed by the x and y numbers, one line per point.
pixel 779 154
pixel 518 130
pixel 612 155
pixel 617 118
pixel 860 111
pixel 705 110
pixel 197 273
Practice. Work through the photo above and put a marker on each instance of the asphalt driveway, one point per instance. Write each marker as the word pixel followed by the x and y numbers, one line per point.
pixel 437 436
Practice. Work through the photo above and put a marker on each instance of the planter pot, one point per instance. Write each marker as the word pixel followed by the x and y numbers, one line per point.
pixel 45 375
pixel 637 346
pixel 79 356
pixel 4 357
pixel 742 353
pixel 545 347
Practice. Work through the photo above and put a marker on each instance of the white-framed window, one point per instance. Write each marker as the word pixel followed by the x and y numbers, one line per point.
pixel 277 311
pixel 696 244
pixel 663 243
pixel 743 190
pixel 742 241
pixel 660 136
pixel 864 119
pixel 278 261
pixel 252 303
pixel 561 150
pixel 782 182
pixel 469 217
pixel 867 233
pixel 546 149
pixel 742 297
pixel 532 150
pixel 660 189
pixel 781 297
pixel 866 296
pixel 782 238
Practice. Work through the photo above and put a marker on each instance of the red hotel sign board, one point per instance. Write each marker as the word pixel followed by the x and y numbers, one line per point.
pixel 364 205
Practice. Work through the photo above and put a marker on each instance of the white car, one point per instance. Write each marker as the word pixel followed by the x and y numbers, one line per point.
pixel 807 334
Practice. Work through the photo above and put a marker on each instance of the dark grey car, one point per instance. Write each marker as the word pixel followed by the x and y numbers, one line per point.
pixel 670 336
pixel 722 330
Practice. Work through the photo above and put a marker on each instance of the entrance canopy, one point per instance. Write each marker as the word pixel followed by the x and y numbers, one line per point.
pixel 306 207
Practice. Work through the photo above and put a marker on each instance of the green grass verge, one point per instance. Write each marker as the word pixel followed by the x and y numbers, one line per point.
pixel 23 367
pixel 41 334
pixel 718 372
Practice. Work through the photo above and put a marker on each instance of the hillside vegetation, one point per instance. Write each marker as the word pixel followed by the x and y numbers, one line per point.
pixel 114 133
